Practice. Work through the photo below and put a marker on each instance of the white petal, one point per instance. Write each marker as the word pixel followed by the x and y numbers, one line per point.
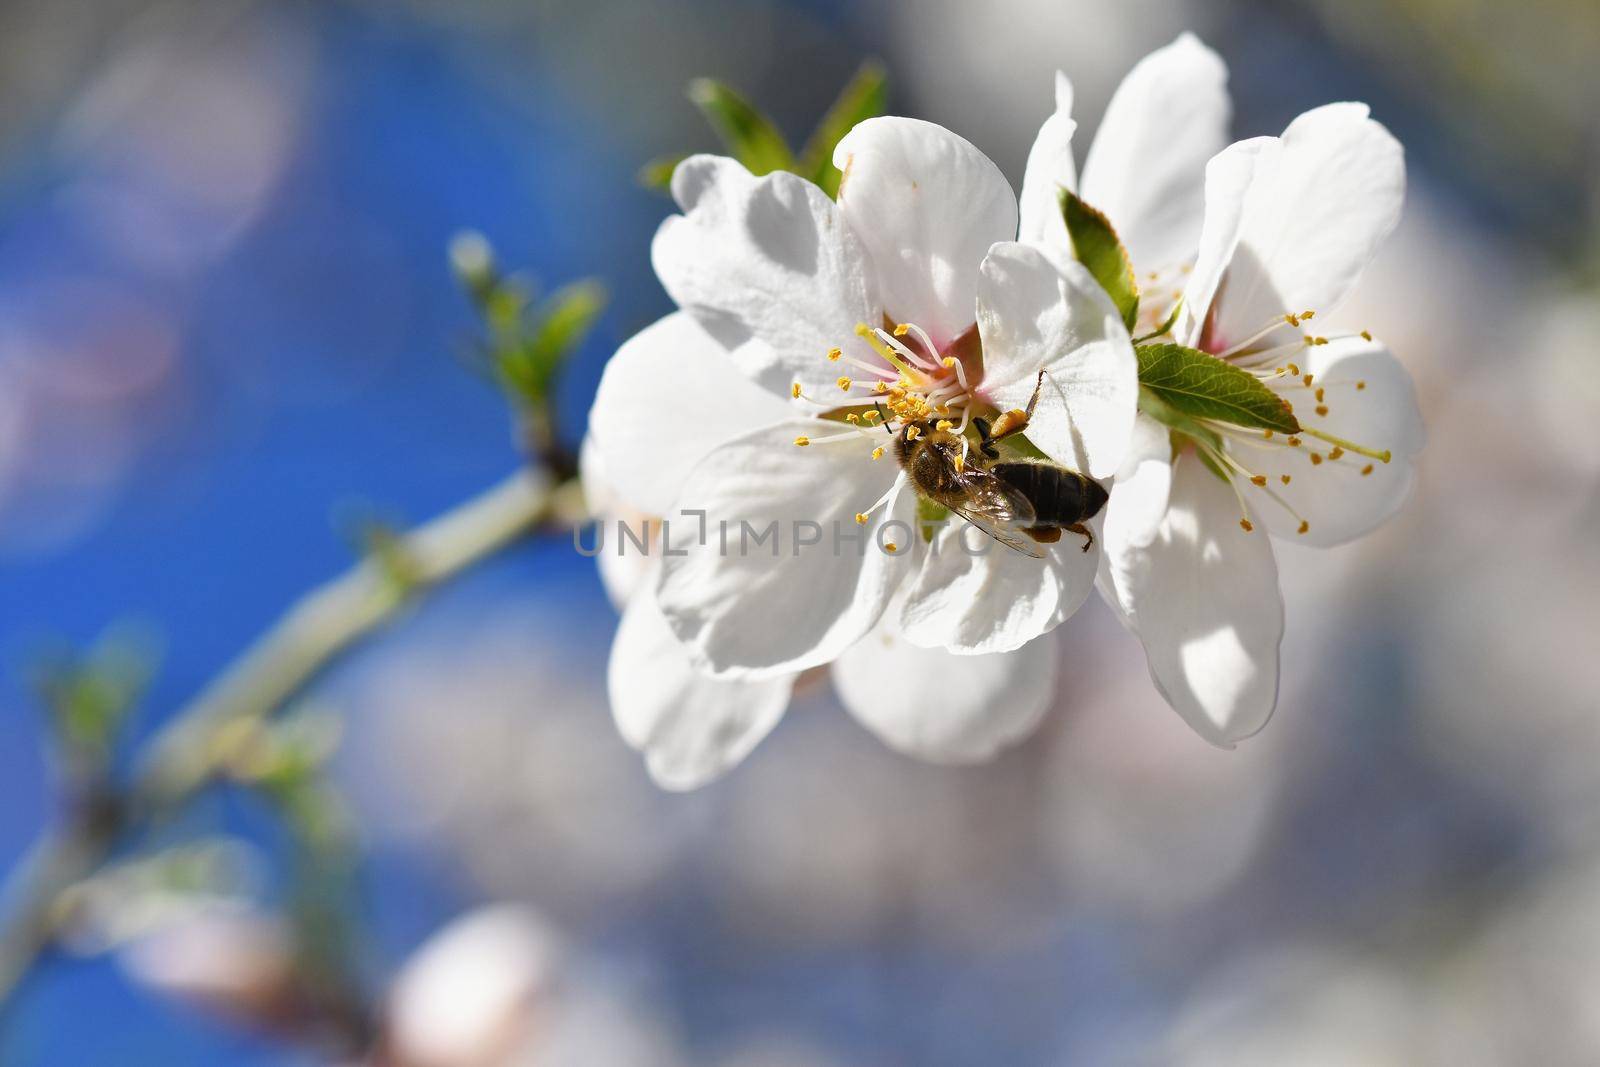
pixel 689 726
pixel 1039 309
pixel 941 707
pixel 1146 168
pixel 927 205
pixel 626 573
pixel 768 259
pixel 671 394
pixel 1320 203
pixel 1203 597
pixel 782 605
pixel 973 594
pixel 599 495
pixel 1050 169
pixel 1335 498
pixel 1229 175
pixel 1144 482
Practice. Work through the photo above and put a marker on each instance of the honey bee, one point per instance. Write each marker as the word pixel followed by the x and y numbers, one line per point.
pixel 1024 504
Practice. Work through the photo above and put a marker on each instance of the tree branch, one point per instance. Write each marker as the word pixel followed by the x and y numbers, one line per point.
pixel 190 751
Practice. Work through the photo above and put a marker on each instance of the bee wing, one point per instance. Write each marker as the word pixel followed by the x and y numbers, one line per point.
pixel 997 509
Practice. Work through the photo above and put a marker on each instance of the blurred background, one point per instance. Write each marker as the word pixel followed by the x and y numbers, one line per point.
pixel 228 323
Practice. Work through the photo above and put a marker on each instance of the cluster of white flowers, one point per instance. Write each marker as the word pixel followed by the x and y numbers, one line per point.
pixel 814 336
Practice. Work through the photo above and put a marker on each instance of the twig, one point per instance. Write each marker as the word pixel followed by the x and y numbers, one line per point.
pixel 188 753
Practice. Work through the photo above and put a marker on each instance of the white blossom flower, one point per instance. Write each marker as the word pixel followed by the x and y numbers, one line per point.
pixel 690 725
pixel 1288 226
pixel 1144 171
pixel 807 293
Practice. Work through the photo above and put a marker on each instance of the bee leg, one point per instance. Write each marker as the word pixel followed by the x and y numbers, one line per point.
pixel 985 439
pixel 1015 421
pixel 1083 529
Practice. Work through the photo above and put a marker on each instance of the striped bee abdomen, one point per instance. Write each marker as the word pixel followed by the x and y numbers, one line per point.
pixel 1060 497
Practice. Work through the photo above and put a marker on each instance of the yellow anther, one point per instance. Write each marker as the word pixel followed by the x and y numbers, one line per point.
pixel 1366 470
pixel 1366 335
pixel 1294 370
pixel 1305 527
pixel 870 416
pixel 794 390
pixel 1308 314
pixel 1244 524
pixel 1293 442
pixel 1335 452
pixel 913 432
pixel 944 424
pixel 949 361
pixel 861 518
pixel 802 440
pixel 834 354
pixel 1322 409
pixel 1292 319
pixel 1259 480
pixel 1316 459
pixel 1319 341
pixel 881 387
pixel 902 329
pixel 1307 382
pixel 1267 434
pixel 1284 478
pixel 877 453
pixel 852 418
pixel 844 382
pixel 890 547
pixel 1320 392
pixel 1361 385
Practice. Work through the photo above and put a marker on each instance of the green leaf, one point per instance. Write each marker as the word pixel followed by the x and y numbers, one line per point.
pixel 749 135
pixel 528 362
pixel 863 98
pixel 657 174
pixel 1198 385
pixel 89 694
pixel 564 320
pixel 1098 248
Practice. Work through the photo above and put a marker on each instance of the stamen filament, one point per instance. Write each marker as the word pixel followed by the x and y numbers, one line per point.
pixel 837 355
pixel 1281 320
pixel 1349 446
pixel 1268 355
pixel 1222 459
pixel 922 362
pixel 869 335
pixel 922 336
pixel 804 440
pixel 863 516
